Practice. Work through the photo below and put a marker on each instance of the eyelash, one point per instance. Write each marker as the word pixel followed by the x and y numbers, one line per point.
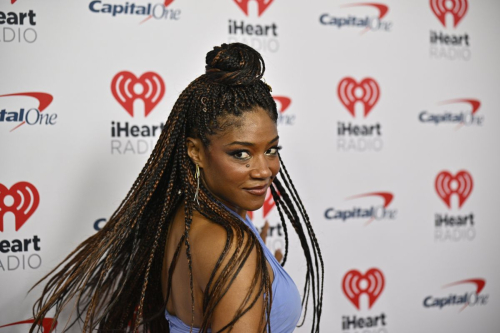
pixel 235 153
pixel 278 148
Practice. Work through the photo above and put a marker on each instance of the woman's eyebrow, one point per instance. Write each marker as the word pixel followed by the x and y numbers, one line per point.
pixel 249 144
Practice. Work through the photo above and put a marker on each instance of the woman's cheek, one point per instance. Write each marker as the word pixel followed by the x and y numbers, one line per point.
pixel 276 167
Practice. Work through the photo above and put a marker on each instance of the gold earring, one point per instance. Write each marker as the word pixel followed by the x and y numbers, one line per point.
pixel 197 176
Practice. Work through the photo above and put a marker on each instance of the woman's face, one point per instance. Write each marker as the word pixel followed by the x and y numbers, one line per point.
pixel 240 162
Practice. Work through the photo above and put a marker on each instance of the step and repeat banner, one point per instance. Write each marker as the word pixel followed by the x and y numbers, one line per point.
pixel 389 118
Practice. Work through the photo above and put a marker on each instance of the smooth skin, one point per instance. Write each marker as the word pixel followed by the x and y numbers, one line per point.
pixel 253 141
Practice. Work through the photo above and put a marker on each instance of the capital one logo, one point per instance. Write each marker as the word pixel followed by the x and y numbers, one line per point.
pixel 372 212
pixel 283 103
pixel 479 283
pixel 382 9
pixel 383 211
pixel 447 185
pixel 126 88
pixel 262 5
pixel 467 115
pixel 386 196
pixel 456 8
pixel 166 3
pixel 474 103
pixel 465 299
pixel 46 324
pixel 356 284
pixel 367 92
pixel 32 116
pixel 21 199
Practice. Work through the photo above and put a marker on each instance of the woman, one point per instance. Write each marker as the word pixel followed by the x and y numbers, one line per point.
pixel 180 245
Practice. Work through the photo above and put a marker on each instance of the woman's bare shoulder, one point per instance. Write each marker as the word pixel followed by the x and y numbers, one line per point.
pixel 208 240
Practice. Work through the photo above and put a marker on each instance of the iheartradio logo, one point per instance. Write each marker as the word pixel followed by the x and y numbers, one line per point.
pixel 126 88
pixel 268 204
pixel 456 8
pixel 46 324
pixel 367 92
pixel 267 207
pixel 356 284
pixel 283 103
pixel 262 5
pixel 21 199
pixel 461 184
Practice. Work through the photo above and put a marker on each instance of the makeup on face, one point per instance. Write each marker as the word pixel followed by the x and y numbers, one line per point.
pixel 241 162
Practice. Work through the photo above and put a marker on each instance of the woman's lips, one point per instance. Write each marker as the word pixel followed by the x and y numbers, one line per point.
pixel 258 190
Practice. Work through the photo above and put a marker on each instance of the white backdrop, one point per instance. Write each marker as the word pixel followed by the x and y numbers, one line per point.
pixel 389 122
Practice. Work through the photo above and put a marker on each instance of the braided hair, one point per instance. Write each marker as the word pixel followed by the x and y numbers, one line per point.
pixel 114 275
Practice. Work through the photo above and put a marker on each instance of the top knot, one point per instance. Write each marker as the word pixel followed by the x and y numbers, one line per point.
pixel 234 64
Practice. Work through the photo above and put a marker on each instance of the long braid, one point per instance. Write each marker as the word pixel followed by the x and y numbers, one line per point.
pixel 282 219
pixel 114 276
pixel 294 219
pixel 312 236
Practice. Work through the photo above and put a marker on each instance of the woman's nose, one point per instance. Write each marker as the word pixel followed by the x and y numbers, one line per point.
pixel 260 168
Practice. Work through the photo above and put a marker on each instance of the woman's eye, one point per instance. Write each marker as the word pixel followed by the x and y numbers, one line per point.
pixel 241 155
pixel 273 151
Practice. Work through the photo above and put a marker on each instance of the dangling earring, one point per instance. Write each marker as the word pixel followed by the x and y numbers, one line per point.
pixel 197 176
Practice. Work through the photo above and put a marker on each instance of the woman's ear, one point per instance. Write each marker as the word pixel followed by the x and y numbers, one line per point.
pixel 195 150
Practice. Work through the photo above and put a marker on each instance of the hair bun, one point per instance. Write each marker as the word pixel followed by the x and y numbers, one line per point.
pixel 234 64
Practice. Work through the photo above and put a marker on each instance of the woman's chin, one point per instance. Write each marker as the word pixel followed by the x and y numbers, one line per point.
pixel 254 206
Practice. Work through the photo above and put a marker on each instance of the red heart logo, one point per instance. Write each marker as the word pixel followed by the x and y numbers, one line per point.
pixel 366 92
pixel 355 284
pixel 457 8
pixel 25 200
pixel 261 5
pixel 151 90
pixel 462 187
